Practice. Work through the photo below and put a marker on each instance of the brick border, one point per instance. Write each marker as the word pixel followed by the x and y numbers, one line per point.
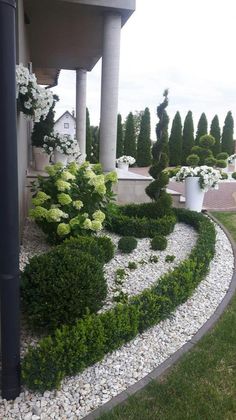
pixel 164 367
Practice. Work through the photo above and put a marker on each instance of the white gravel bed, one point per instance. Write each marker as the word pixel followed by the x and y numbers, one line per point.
pixel 180 242
pixel 99 383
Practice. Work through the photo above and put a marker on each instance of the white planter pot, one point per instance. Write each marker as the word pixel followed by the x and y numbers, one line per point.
pixel 194 194
pixel 41 159
pixel 124 166
pixel 59 157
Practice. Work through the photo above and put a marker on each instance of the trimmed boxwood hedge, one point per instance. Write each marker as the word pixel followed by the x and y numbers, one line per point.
pixel 100 247
pixel 127 244
pixel 72 349
pixel 143 222
pixel 159 242
pixel 59 286
pixel 142 227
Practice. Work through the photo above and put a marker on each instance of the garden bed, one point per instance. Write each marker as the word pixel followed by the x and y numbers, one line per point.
pixel 98 383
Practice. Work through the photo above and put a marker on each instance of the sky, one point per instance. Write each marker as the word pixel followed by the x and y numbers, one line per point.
pixel 187 46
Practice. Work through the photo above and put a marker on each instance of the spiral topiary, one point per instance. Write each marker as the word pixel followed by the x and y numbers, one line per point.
pixel 156 189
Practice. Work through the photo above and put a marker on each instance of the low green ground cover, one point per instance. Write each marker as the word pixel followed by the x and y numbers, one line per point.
pixel 202 386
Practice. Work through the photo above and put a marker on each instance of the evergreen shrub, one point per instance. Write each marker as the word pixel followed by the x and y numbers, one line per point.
pixel 192 160
pixel 222 156
pixel 100 247
pixel 127 244
pixel 211 161
pixel 140 227
pixel 152 210
pixel 59 287
pixel 220 163
pixel 159 242
pixel 233 175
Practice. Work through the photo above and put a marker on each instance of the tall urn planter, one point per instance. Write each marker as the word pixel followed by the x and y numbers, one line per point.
pixel 194 195
pixel 123 165
pixel 41 159
pixel 60 157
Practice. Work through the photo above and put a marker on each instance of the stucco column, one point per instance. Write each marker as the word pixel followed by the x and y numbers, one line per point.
pixel 109 90
pixel 81 82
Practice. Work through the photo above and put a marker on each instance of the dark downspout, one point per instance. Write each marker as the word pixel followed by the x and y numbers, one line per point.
pixel 9 217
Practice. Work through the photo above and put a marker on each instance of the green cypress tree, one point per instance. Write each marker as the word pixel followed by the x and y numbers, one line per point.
pixel 227 142
pixel 137 123
pixel 119 138
pixel 176 141
pixel 188 137
pixel 156 189
pixel 129 139
pixel 201 128
pixel 88 137
pixel 144 141
pixel 95 144
pixel 215 132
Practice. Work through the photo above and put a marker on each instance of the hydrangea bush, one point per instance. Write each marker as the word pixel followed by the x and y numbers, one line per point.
pixel 72 200
pixel 33 100
pixel 208 177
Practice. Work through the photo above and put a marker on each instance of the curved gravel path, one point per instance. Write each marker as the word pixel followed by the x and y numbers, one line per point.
pixel 97 384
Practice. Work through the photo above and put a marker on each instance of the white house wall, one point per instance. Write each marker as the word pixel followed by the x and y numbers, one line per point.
pixel 61 125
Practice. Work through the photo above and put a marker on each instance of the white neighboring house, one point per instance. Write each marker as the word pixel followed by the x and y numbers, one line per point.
pixel 65 124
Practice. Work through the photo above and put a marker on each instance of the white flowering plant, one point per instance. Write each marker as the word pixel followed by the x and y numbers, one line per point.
pixel 63 143
pixel 126 159
pixel 208 176
pixel 33 100
pixel 48 145
pixel 72 201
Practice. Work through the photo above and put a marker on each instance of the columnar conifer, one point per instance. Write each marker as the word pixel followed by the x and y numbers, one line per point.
pixel 227 143
pixel 176 141
pixel 119 139
pixel 144 141
pixel 88 136
pixel 188 137
pixel 201 128
pixel 215 132
pixel 129 139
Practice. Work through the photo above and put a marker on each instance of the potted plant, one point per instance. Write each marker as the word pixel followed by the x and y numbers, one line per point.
pixel 62 146
pixel 197 181
pixel 232 159
pixel 123 162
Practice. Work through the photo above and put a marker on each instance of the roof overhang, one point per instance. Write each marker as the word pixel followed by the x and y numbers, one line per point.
pixel 67 34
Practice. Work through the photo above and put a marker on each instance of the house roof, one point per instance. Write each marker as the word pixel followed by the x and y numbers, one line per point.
pixel 67 34
pixel 66 112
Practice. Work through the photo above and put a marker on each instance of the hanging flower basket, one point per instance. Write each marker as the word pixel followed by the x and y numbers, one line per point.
pixel 32 99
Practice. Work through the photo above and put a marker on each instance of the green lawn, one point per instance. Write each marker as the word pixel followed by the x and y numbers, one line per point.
pixel 202 386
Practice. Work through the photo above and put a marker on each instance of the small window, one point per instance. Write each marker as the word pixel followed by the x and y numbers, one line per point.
pixel 66 125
